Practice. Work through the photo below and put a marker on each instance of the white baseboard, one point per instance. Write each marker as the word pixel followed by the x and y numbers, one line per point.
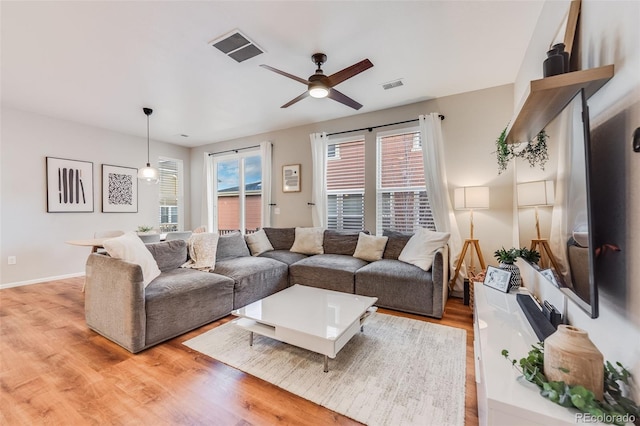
pixel 41 280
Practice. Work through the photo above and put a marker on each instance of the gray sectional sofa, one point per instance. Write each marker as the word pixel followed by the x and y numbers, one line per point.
pixel 119 307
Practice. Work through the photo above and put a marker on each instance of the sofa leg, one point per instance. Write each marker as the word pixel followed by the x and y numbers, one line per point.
pixel 326 364
pixel 251 338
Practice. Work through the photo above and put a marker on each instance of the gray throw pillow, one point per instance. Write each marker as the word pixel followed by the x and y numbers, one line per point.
pixel 341 242
pixel 169 254
pixel 281 238
pixel 395 244
pixel 231 246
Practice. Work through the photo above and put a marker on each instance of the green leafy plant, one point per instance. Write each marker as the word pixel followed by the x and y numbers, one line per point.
pixel 507 256
pixel 531 256
pixel 615 407
pixel 535 152
pixel 145 228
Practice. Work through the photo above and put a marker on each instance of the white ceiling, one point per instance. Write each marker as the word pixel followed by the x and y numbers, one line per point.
pixel 99 63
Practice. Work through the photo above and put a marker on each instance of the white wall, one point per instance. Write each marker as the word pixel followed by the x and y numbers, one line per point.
pixel 473 122
pixel 609 35
pixel 36 237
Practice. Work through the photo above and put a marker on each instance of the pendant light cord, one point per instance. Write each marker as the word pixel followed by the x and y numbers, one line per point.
pixel 148 151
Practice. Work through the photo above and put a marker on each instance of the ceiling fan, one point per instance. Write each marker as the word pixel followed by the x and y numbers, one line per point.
pixel 321 86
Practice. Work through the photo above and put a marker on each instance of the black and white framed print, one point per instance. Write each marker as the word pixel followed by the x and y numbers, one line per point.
pixel 291 178
pixel 119 189
pixel 497 278
pixel 69 186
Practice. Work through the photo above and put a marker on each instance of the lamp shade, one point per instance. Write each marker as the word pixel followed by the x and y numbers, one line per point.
pixel 537 193
pixel 471 197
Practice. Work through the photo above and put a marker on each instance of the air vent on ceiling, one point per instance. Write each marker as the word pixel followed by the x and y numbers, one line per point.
pixel 392 84
pixel 237 46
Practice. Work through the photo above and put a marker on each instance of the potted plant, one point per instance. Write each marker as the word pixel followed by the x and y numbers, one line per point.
pixel 531 256
pixel 534 152
pixel 506 259
pixel 145 229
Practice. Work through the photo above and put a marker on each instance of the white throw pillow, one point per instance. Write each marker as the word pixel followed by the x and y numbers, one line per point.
pixel 202 251
pixel 422 246
pixel 308 241
pixel 258 242
pixel 129 247
pixel 370 247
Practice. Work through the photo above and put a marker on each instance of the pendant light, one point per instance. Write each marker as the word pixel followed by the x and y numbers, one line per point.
pixel 148 174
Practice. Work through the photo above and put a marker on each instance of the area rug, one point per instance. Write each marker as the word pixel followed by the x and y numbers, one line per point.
pixel 398 371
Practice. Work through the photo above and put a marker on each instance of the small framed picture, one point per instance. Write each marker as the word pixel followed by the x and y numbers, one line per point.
pixel 69 186
pixel 291 178
pixel 497 278
pixel 119 189
pixel 548 274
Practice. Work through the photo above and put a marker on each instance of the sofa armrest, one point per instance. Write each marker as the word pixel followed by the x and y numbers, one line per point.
pixel 114 301
pixel 440 277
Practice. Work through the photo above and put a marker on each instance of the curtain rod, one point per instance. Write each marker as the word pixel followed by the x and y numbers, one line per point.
pixel 381 125
pixel 233 150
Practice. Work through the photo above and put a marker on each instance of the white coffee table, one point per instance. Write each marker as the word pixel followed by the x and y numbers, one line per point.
pixel 315 319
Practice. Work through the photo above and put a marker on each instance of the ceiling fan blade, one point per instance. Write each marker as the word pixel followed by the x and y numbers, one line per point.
pixel 343 99
pixel 286 74
pixel 349 72
pixel 293 101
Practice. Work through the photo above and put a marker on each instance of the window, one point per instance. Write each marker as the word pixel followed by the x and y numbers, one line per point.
pixel 402 200
pixel 239 192
pixel 345 184
pixel 170 195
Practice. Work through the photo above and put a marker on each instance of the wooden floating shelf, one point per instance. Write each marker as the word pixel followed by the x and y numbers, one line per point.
pixel 548 96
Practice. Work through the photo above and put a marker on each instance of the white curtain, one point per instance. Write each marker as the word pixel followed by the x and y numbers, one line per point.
pixel 266 154
pixel 319 187
pixel 568 155
pixel 209 193
pixel 437 189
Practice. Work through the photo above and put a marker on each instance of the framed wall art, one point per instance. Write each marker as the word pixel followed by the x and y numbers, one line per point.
pixel 291 178
pixel 497 278
pixel 119 189
pixel 69 186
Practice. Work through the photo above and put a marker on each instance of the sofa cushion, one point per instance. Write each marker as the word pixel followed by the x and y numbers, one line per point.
pixel 258 242
pixel 340 242
pixel 308 241
pixel 169 254
pixel 254 277
pixel 231 246
pixel 395 244
pixel 281 238
pixel 129 247
pixel 329 271
pixel 183 299
pixel 370 247
pixel 422 247
pixel 398 285
pixel 284 256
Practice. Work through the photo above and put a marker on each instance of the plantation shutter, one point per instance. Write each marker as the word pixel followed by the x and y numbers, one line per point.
pixel 345 185
pixel 168 194
pixel 402 199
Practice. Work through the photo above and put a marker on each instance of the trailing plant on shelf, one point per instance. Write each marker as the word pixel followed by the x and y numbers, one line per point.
pixel 615 408
pixel 531 256
pixel 534 152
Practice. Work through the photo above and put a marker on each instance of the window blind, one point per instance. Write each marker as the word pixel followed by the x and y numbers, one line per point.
pixel 168 195
pixel 345 185
pixel 402 199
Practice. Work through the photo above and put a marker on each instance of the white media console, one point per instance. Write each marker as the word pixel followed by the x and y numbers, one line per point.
pixel 504 396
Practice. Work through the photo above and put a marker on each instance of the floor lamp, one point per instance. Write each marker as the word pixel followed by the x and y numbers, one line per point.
pixel 538 194
pixel 470 198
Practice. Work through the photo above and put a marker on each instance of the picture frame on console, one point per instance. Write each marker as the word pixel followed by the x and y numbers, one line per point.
pixel 291 178
pixel 497 279
pixel 119 189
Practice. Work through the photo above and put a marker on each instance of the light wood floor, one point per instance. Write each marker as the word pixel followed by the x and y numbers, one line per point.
pixel 54 370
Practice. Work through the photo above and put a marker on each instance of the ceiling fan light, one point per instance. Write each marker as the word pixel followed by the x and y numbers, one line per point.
pixel 318 90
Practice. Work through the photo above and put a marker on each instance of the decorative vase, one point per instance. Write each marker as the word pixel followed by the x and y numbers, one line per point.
pixel 565 56
pixel 515 281
pixel 570 356
pixel 554 64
